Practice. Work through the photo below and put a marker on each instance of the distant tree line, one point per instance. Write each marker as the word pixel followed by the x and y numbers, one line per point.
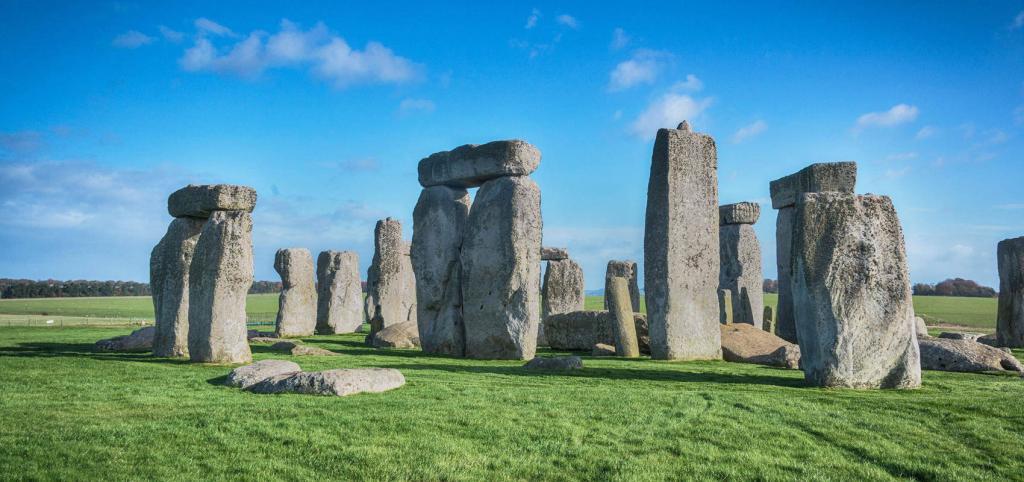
pixel 770 286
pixel 26 288
pixel 955 287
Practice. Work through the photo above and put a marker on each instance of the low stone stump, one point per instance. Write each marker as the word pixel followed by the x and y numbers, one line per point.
pixel 555 363
pixel 963 355
pixel 291 347
pixel 744 343
pixel 340 382
pixel 249 375
pixel 138 340
pixel 399 335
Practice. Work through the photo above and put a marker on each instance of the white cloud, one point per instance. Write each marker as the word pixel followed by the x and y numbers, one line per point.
pixel 531 21
pixel 1018 21
pixel 691 84
pixel 408 106
pixel 568 21
pixel 898 114
pixel 668 111
pixel 207 26
pixel 642 68
pixel 619 39
pixel 925 132
pixel 171 35
pixel 750 130
pixel 132 39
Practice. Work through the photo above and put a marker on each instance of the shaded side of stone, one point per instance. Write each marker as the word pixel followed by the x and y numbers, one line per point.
pixel 740 272
pixel 1010 318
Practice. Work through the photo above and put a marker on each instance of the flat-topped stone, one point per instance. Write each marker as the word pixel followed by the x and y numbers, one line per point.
pixel 548 253
pixel 739 213
pixel 471 165
pixel 199 201
pixel 820 177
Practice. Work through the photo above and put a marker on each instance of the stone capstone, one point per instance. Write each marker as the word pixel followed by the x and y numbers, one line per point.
pixel 472 165
pixel 562 290
pixel 739 213
pixel 553 254
pixel 339 382
pixel 169 267
pixel 339 307
pixel 296 313
pixel 249 375
pixel 200 201
pixel 821 177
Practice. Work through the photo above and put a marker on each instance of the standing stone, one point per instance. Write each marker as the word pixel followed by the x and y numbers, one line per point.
pixel 390 285
pixel 626 344
pixel 725 306
pixel 1010 321
pixel 681 247
pixel 219 280
pixel 439 221
pixel 740 257
pixel 501 270
pixel 563 288
pixel 851 293
pixel 822 177
pixel 169 282
pixel 626 269
pixel 472 165
pixel 339 293
pixel 769 322
pixel 296 312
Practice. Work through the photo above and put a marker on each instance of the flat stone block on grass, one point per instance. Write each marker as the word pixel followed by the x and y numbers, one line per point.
pixel 339 382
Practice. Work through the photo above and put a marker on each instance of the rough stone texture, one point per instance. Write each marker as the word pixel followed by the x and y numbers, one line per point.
pixel 747 344
pixel 339 293
pixel 553 254
pixel 626 269
pixel 138 340
pixel 296 313
pixel 1010 321
pixel 439 222
pixel 768 323
pixel 562 291
pixel 851 293
pixel 219 280
pixel 623 324
pixel 168 279
pixel 266 340
pixel 965 356
pixel 739 213
pixel 296 348
pixel 681 257
pixel 838 177
pixel 920 327
pixel 725 308
pixel 581 330
pixel 601 349
pixel 555 363
pixel 785 326
pixel 200 201
pixel 472 165
pixel 249 375
pixel 740 272
pixel 399 335
pixel 501 270
pixel 390 283
pixel 339 382
pixel 992 340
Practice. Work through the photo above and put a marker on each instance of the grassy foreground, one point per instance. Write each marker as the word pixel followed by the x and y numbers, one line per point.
pixel 68 413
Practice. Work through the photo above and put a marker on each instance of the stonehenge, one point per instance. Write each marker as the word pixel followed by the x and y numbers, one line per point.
pixel 390 282
pixel 562 289
pixel 626 269
pixel 168 280
pixel 681 258
pixel 1010 318
pixel 581 330
pixel 296 313
pixel 740 255
pixel 339 306
pixel 821 177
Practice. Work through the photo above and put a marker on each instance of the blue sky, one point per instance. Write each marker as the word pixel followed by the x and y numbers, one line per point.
pixel 326 108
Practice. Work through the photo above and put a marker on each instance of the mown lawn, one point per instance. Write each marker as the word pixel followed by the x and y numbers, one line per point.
pixel 68 413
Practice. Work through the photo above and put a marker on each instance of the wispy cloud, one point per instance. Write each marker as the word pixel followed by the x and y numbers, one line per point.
pixel 132 39
pixel 409 106
pixel 170 34
pixel 750 130
pixel 206 26
pixel 898 114
pixel 925 132
pixel 896 173
pixel 619 39
pixel 1018 21
pixel 642 68
pixel 668 111
pixel 691 84
pixel 568 21
pixel 531 21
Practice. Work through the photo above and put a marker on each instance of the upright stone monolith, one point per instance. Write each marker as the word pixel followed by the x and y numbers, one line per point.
pixel 390 284
pixel 626 344
pixel 562 290
pixel 169 282
pixel 851 293
pixel 725 306
pixel 339 293
pixel 681 247
pixel 625 269
pixel 1010 320
pixel 740 255
pixel 296 312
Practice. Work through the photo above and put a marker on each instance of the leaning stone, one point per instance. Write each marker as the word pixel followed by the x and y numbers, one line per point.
pixel 339 293
pixel 623 324
pixel 626 269
pixel 956 335
pixel 390 284
pixel 339 382
pixel 501 270
pixel 200 201
pixel 739 213
pixel 219 281
pixel 740 272
pixel 555 363
pixel 138 340
pixel 601 349
pixel 821 177
pixel 725 309
pixel 296 313
pixel 961 355
pixel 920 327
pixel 681 258
pixel 553 254
pixel 1010 320
pixel 249 375
pixel 295 348
pixel 851 293
pixel 472 165
pixel 439 221
pixel 745 343
pixel 581 330
pixel 562 290
pixel 168 279
pixel 399 335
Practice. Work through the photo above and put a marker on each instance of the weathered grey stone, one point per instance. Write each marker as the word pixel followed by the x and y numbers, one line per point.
pixel 399 335
pixel 626 269
pixel 739 213
pixel 296 348
pixel 339 293
pixel 602 349
pixel 390 283
pixel 740 272
pixel 961 355
pixel 138 340
pixel 838 177
pixel 1010 320
pixel 296 312
pixel 555 363
pixel 851 293
pixel 439 223
pixel 548 253
pixel 920 327
pixel 681 247
pixel 581 330
pixel 168 280
pixel 768 320
pixel 956 335
pixel 249 375
pixel 219 280
pixel 623 324
pixel 501 270
pixel 562 291
pixel 745 343
pixel 339 382
pixel 785 325
pixel 725 309
pixel 993 341
pixel 199 201
pixel 264 340
pixel 472 165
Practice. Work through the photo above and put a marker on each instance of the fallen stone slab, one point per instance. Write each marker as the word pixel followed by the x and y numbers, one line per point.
pixel 739 213
pixel 338 382
pixel 471 165
pixel 298 349
pixel 581 330
pixel 249 375
pixel 548 253
pixel 199 201
pixel 745 343
pixel 138 340
pixel 399 335
pixel 993 341
pixel 268 339
pixel 555 363
pixel 962 355
pixel 956 335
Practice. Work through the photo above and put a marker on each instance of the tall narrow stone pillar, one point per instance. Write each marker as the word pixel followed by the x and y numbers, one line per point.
pixel 390 285
pixel 169 283
pixel 1010 320
pixel 740 254
pixel 296 312
pixel 626 269
pixel 339 307
pixel 626 344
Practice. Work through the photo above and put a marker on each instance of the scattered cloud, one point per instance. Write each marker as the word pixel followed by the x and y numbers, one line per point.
pixel 568 21
pixel 619 39
pixel 925 132
pixel 750 130
pixel 409 106
pixel 668 111
pixel 531 21
pixel 1018 21
pixel 691 84
pixel 132 39
pixel 898 114
pixel 206 26
pixel 642 68
pixel 170 34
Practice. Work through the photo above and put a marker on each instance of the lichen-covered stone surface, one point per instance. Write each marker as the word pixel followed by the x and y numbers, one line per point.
pixel 169 267
pixel 739 213
pixel 296 313
pixel 472 165
pixel 838 177
pixel 249 375
pixel 1010 320
pixel 562 290
pixel 390 283
pixel 200 201
pixel 339 307
pixel 548 253
pixel 965 356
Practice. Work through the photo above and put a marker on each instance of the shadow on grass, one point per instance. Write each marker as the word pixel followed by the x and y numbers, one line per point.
pixel 82 350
